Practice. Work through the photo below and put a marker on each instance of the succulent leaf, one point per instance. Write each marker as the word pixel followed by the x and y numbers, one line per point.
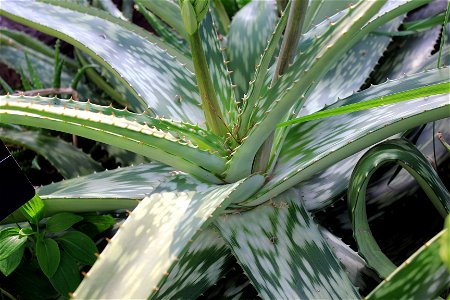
pixel 421 276
pixel 253 23
pixel 283 253
pixel 182 206
pixel 161 78
pixel 324 143
pixel 134 132
pixel 405 154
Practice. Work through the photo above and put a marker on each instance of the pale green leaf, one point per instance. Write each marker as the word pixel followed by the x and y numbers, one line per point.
pixel 250 29
pixel 314 146
pixel 109 190
pixel 156 234
pixel 34 209
pixel 281 250
pixel 135 132
pixel 160 80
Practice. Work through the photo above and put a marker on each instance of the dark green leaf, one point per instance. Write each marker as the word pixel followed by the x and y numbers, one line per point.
pixel 101 222
pixel 10 242
pixel 9 264
pixel 62 221
pixel 48 256
pixel 67 276
pixel 79 246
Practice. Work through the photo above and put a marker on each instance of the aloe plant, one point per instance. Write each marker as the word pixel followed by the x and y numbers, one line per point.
pixel 237 129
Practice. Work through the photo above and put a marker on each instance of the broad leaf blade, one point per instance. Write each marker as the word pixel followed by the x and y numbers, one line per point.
pixel 79 246
pixel 283 253
pixel 109 190
pixel 160 78
pixel 164 223
pixel 62 221
pixel 10 242
pixel 48 256
pixel 66 158
pixel 67 276
pixel 206 261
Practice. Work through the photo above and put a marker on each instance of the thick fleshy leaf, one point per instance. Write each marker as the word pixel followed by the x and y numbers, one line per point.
pixel 135 132
pixel 157 78
pixel 421 276
pixel 290 89
pixel 66 158
pixel 441 88
pixel 313 146
pixel 121 188
pixel 206 261
pixel 356 268
pixel 283 253
pixel 217 68
pixel 406 155
pixel 156 234
pixel 319 10
pixel 250 29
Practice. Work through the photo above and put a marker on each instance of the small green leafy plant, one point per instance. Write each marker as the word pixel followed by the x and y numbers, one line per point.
pixel 253 126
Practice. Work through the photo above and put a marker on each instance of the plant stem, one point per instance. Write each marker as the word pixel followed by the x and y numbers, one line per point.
pixel 288 51
pixel 210 104
pixel 7 294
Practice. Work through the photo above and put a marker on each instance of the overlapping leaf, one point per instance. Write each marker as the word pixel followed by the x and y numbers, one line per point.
pixel 315 145
pixel 135 132
pixel 157 78
pixel 143 249
pixel 283 253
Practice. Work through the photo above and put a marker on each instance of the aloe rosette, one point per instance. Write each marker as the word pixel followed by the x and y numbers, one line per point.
pixel 204 116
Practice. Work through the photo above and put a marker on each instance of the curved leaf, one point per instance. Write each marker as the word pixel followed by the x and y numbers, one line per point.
pixel 160 78
pixel 283 253
pixel 62 221
pixel 313 146
pixel 67 276
pixel 10 242
pixel 66 158
pixel 405 154
pixel 165 223
pixel 135 132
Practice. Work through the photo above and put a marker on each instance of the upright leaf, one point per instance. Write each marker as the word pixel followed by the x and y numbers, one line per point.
pixel 67 277
pixel 250 29
pixel 10 242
